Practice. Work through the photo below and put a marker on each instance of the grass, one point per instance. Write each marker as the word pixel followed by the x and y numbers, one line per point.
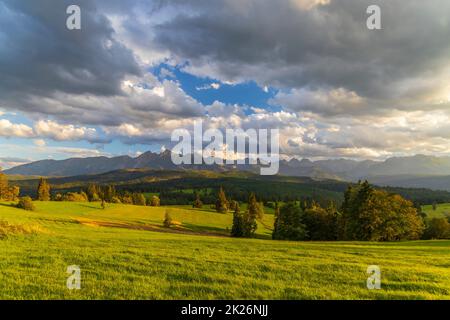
pixel 442 210
pixel 124 253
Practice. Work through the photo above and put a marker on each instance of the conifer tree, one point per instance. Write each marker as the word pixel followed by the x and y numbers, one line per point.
pixel 222 202
pixel 43 191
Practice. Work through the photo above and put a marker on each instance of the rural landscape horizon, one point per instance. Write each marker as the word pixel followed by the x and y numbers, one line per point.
pixel 243 151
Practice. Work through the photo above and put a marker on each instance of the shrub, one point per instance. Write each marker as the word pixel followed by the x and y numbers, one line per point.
pixel 115 200
pixel 26 203
pixel 437 228
pixel 167 220
pixel 155 202
pixel 75 197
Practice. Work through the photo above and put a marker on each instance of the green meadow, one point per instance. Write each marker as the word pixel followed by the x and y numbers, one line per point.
pixel 442 210
pixel 125 253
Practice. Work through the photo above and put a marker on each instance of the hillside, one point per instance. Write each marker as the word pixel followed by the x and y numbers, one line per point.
pixel 124 253
pixel 176 184
pixel 418 171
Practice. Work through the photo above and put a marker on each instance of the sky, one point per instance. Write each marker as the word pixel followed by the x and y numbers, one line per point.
pixel 139 69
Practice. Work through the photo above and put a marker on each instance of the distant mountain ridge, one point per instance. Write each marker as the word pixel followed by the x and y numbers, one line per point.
pixel 418 171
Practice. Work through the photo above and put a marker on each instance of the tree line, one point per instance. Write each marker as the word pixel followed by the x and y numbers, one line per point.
pixel 366 214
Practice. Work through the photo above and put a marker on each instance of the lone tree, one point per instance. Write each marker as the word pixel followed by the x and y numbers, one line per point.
pixel 167 219
pixel 221 202
pixel 43 191
pixel 253 210
pixel 197 202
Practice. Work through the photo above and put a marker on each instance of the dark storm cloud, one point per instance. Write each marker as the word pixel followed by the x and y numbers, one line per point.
pixel 328 46
pixel 39 55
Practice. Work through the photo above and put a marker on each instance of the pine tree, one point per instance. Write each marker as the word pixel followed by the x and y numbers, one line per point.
pixel 92 192
pixel 43 191
pixel 238 228
pixel 251 216
pixel 222 202
pixel 197 202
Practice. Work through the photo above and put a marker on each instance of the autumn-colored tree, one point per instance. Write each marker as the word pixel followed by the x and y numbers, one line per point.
pixel 369 214
pixel 43 190
pixel 221 202
pixel 3 185
pixel 155 201
pixel 167 219
pixel 139 199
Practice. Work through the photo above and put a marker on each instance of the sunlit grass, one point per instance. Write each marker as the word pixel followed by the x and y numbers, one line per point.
pixel 127 263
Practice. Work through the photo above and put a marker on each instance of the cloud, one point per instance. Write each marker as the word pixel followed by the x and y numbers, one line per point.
pixel 214 85
pixel 299 44
pixel 49 130
pixel 47 57
pixel 39 142
pixel 341 90
pixel 9 129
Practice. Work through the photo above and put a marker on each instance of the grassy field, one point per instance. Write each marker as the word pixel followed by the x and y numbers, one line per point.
pixel 124 253
pixel 442 210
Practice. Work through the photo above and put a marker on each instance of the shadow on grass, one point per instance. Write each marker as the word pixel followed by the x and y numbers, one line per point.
pixel 9 205
pixel 93 207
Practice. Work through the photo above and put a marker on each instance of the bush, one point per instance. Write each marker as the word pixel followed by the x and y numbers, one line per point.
pixel 115 200
pixel 75 197
pixel 155 202
pixel 167 220
pixel 437 228
pixel 26 203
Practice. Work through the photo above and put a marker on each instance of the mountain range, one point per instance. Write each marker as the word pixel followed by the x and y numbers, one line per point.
pixel 418 171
